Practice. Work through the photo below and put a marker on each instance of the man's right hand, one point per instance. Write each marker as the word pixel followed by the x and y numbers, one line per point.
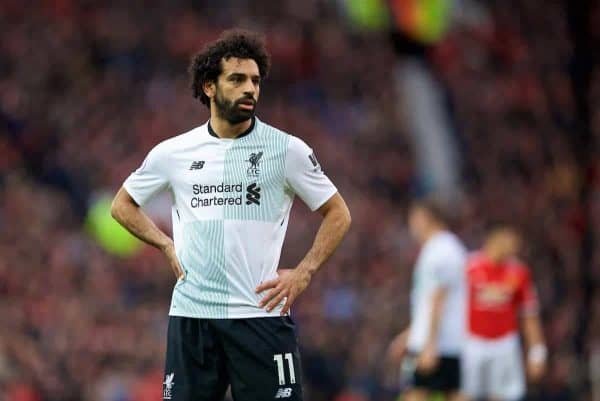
pixel 169 251
pixel 428 358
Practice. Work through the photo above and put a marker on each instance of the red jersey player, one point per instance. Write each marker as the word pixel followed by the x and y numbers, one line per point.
pixel 500 296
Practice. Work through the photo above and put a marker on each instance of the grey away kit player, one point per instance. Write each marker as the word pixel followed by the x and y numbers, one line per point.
pixel 232 181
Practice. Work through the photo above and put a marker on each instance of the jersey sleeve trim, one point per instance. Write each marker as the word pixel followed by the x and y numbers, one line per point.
pixel 132 193
pixel 324 201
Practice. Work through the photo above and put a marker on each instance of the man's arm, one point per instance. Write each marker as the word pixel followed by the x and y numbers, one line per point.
pixel 536 348
pixel 128 213
pixel 437 306
pixel 291 283
pixel 532 327
pixel 335 225
pixel 429 355
pixel 397 348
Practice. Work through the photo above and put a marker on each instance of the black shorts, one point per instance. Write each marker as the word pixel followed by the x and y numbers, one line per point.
pixel 258 357
pixel 445 377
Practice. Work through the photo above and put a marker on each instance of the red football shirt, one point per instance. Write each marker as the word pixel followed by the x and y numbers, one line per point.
pixel 497 294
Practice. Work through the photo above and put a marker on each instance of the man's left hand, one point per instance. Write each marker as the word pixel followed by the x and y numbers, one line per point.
pixel 535 371
pixel 288 285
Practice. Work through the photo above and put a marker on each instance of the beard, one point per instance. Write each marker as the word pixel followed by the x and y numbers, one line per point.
pixel 230 110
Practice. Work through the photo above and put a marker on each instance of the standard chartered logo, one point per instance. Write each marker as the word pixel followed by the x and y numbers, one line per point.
pixel 223 194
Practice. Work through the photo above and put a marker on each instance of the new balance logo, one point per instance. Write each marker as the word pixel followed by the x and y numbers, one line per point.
pixel 253 194
pixel 284 392
pixel 197 165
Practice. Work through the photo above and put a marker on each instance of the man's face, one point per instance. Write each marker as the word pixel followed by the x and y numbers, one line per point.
pixel 504 243
pixel 511 243
pixel 418 222
pixel 236 91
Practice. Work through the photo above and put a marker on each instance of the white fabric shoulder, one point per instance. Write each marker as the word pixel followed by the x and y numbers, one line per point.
pixel 153 175
pixel 446 257
pixel 304 175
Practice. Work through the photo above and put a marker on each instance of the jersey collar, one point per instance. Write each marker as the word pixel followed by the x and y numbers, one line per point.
pixel 212 132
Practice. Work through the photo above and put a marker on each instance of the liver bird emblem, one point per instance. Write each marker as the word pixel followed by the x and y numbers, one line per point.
pixel 169 381
pixel 255 158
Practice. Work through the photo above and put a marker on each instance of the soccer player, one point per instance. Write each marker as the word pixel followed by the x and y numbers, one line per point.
pixel 431 346
pixel 500 294
pixel 233 181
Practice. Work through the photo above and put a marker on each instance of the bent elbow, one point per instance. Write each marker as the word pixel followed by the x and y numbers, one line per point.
pixel 115 210
pixel 347 219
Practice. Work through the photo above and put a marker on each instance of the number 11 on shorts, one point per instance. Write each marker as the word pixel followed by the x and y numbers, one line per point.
pixel 278 358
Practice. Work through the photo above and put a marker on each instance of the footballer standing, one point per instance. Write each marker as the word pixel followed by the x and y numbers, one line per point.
pixel 502 299
pixel 232 181
pixel 431 347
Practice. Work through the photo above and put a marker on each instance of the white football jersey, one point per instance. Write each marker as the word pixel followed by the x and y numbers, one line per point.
pixel 441 263
pixel 231 204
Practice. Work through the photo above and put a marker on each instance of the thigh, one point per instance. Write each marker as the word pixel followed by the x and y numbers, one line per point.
pixel 450 373
pixel 195 367
pixel 263 360
pixel 473 373
pixel 507 382
pixel 415 395
pixel 445 377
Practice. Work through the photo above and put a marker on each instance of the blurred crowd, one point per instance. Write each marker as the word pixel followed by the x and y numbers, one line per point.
pixel 87 88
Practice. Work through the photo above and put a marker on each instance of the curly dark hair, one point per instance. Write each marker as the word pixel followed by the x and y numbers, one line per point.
pixel 206 65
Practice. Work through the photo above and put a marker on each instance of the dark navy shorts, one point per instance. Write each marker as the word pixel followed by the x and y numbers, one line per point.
pixel 257 357
pixel 445 377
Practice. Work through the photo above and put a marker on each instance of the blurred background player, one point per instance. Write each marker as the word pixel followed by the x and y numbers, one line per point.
pixel 500 296
pixel 431 345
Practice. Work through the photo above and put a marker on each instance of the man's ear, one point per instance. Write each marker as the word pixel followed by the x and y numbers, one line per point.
pixel 209 88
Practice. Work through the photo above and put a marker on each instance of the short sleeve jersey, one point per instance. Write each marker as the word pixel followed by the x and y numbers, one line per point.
pixel 497 294
pixel 231 204
pixel 441 264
